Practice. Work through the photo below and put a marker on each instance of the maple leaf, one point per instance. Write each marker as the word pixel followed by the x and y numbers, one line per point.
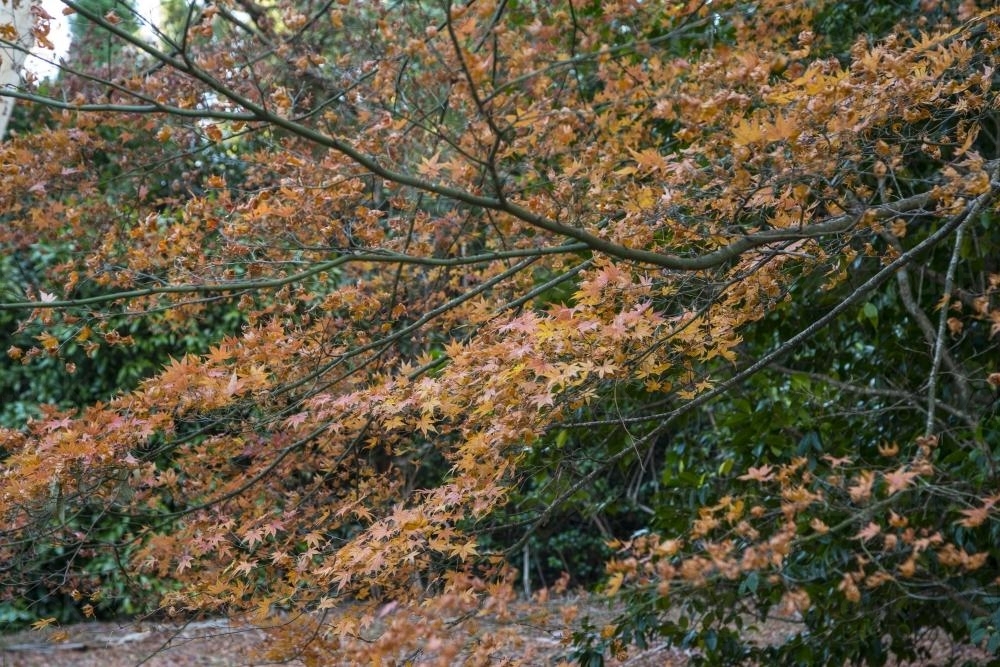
pixel 783 128
pixel 245 567
pixel 425 424
pixel 868 532
pixel 219 354
pixel 974 516
pixel 296 420
pixel 898 480
pixel 836 462
pixel 463 551
pixel 746 132
pixel 253 536
pixel 430 167
pixel 541 400
pixel 273 527
pixel 43 623
pixel 184 563
pixel 648 160
pixel 760 474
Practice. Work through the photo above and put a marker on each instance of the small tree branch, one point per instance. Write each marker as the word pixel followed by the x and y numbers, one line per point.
pixel 881 392
pixel 949 282
pixel 277 283
pixel 927 328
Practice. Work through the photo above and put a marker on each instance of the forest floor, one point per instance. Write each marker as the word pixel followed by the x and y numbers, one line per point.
pixel 221 643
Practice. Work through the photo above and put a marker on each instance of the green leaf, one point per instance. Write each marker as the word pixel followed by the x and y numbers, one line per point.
pixel 870 312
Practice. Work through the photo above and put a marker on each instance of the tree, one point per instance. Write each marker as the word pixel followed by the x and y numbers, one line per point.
pixel 496 257
pixel 16 42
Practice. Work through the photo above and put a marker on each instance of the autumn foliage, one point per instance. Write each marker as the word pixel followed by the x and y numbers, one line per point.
pixel 482 259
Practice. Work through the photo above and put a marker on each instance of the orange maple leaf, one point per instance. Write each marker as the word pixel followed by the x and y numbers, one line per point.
pixel 761 474
pixel 898 480
pixel 868 532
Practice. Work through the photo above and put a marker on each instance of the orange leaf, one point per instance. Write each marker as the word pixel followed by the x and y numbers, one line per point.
pixel 868 532
pixel 43 623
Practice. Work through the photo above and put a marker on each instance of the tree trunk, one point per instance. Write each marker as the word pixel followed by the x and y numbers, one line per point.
pixel 15 14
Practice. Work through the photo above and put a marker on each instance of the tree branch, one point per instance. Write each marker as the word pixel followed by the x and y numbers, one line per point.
pixel 927 328
pixel 276 283
pixel 882 392
pixel 949 282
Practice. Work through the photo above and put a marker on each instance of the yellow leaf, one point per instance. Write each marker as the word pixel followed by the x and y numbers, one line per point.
pixel 614 583
pixel 49 342
pixel 430 167
pixel 745 133
pixel 464 551
pixel 782 129
pixel 43 623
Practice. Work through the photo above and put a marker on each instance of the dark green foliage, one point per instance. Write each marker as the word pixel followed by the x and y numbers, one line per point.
pixel 807 408
pixel 26 385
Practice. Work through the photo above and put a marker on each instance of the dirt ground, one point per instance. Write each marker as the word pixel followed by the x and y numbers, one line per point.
pixel 221 643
